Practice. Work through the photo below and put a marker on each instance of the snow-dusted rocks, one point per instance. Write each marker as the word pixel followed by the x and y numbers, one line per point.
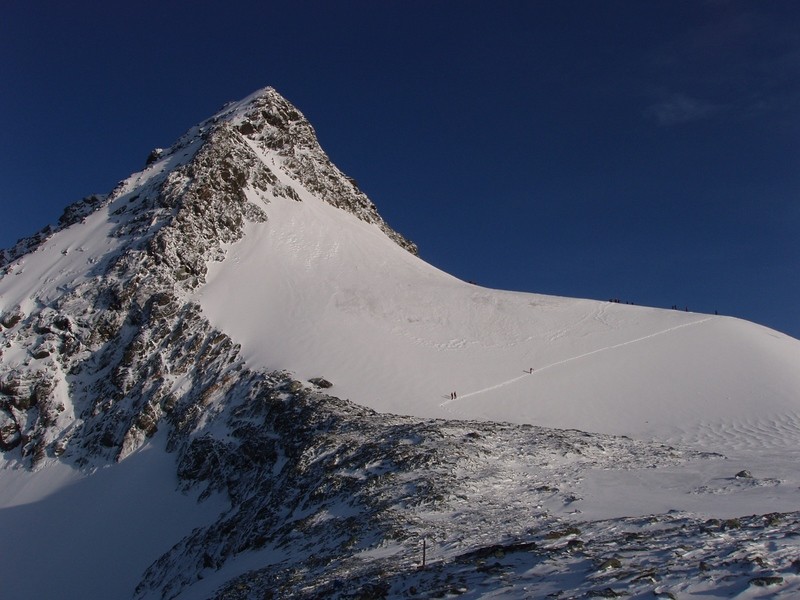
pixel 164 345
pixel 162 228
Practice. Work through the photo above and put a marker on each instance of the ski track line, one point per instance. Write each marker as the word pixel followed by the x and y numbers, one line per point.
pixel 566 360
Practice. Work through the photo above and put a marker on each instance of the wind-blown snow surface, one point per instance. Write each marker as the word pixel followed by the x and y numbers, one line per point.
pixel 328 295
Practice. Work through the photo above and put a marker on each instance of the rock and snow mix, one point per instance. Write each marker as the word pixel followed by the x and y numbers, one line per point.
pixel 271 395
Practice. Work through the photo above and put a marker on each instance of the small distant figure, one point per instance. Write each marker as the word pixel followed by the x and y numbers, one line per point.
pixel 531 370
pixel 455 396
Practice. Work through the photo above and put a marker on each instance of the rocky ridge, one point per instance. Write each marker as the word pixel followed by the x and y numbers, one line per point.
pixel 129 327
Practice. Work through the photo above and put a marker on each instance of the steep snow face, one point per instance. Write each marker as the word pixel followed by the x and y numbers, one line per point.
pixel 322 293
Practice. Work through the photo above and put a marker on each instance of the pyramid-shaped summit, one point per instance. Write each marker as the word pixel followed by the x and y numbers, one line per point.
pixel 272 125
pixel 262 126
pixel 163 352
pixel 80 297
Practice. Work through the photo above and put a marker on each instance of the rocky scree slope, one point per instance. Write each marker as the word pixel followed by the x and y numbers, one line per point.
pixel 338 498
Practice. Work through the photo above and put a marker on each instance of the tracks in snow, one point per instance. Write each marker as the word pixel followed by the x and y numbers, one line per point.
pixel 573 358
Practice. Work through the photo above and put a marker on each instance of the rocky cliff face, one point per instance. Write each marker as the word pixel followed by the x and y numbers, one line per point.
pixel 109 359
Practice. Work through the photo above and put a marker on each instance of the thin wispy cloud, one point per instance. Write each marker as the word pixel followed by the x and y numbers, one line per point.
pixel 739 61
pixel 680 108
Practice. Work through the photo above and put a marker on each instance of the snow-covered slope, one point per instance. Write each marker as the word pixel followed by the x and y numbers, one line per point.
pixel 398 335
pixel 173 327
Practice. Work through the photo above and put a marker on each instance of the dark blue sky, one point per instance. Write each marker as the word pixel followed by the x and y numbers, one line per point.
pixel 641 150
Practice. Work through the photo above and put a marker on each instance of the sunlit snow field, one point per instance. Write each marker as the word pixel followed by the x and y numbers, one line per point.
pixel 321 293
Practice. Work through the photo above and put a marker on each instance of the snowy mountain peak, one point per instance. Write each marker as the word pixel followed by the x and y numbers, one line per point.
pixel 178 333
pixel 273 126
pixel 114 262
pixel 262 141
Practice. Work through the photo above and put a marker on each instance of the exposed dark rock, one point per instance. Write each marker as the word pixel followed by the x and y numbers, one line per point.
pixel 78 211
pixel 320 382
pixel 560 533
pixel 604 593
pixel 10 436
pixel 731 524
pixel 611 563
pixel 154 155
pixel 766 580
pixel 11 318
